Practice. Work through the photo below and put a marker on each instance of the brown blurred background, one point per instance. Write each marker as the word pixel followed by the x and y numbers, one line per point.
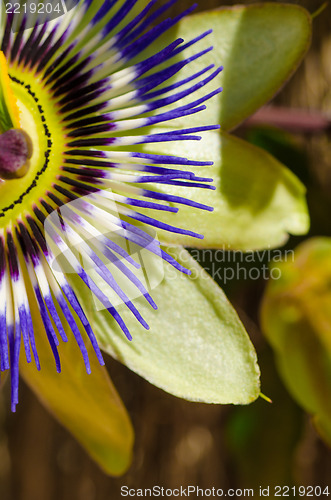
pixel 177 442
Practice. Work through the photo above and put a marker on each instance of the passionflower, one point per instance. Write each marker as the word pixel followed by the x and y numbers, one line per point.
pixel 79 96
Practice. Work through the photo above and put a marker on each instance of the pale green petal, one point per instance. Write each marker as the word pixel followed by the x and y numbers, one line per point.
pixel 259 45
pixel 196 348
pixel 258 202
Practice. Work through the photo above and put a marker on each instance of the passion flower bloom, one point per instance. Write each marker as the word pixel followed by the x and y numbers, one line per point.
pixel 79 95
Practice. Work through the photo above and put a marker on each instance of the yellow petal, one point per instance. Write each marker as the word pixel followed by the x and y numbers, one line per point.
pixel 87 405
pixel 8 101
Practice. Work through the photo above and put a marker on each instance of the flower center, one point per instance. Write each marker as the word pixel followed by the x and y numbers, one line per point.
pixel 31 142
pixel 15 145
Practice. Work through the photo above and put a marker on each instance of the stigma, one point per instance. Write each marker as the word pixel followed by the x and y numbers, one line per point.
pixel 15 152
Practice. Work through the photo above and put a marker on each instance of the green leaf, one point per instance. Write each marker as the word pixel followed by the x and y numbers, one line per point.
pixel 87 405
pixel 296 318
pixel 196 348
pixel 256 204
pixel 260 47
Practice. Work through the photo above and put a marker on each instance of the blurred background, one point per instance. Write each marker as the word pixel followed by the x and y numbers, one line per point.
pixel 182 443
